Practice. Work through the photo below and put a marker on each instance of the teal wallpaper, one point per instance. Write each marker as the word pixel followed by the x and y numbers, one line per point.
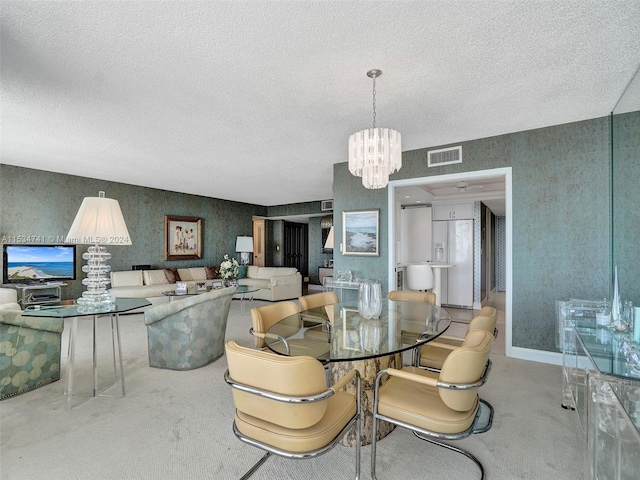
pixel 44 204
pixel 561 213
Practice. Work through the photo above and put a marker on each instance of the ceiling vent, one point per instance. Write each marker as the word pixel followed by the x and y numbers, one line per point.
pixel 444 156
pixel 326 205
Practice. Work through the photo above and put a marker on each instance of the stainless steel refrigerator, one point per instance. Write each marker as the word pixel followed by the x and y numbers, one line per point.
pixel 452 244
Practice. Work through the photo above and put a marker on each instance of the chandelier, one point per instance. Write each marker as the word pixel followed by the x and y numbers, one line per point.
pixel 375 153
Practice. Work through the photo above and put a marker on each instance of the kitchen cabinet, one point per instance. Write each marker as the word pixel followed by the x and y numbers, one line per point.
pixel 458 211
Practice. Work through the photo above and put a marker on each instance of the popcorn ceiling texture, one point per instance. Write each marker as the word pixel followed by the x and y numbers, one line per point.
pixel 224 98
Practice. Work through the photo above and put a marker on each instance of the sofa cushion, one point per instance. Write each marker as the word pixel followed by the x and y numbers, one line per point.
pixel 154 277
pixel 242 271
pixel 198 273
pixel 212 272
pixel 185 274
pixel 126 278
pixel 268 272
pixel 171 274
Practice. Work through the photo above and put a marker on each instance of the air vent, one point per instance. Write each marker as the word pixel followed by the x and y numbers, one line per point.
pixel 444 156
pixel 326 205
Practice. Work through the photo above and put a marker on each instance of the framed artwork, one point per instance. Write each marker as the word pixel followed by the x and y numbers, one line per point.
pixel 182 238
pixel 360 232
pixel 216 284
pixel 201 286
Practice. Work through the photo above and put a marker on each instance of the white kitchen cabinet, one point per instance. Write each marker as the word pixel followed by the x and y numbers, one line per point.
pixel 458 211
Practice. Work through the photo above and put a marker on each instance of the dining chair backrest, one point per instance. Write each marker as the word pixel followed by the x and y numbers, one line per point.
pixel 288 376
pixel 465 365
pixel 412 296
pixel 314 300
pixel 262 318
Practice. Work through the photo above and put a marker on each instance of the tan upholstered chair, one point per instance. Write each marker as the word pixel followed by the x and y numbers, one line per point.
pixel 433 354
pixel 263 318
pixel 412 296
pixel 283 405
pixel 438 406
pixel 410 338
pixel 318 300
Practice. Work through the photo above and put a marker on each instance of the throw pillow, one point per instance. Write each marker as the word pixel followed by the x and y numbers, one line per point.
pixel 171 274
pixel 242 271
pixel 212 272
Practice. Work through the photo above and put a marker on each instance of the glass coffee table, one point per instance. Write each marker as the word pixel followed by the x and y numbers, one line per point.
pixel 245 292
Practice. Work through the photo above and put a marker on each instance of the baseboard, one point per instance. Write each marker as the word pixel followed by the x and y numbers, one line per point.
pixel 542 356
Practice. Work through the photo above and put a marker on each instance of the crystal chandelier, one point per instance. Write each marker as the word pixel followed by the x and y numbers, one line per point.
pixel 375 153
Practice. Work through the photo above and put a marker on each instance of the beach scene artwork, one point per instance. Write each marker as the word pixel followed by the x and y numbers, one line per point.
pixel 40 263
pixel 360 232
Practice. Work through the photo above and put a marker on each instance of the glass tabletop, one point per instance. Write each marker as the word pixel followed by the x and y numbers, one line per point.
pixel 64 311
pixel 246 289
pixel 338 332
pixel 610 352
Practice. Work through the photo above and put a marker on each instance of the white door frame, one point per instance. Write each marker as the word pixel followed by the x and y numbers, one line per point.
pixel 496 172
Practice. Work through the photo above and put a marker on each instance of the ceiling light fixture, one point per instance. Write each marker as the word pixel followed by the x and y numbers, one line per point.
pixel 375 153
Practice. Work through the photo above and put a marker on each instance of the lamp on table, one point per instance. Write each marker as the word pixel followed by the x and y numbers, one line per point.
pixel 99 222
pixel 244 246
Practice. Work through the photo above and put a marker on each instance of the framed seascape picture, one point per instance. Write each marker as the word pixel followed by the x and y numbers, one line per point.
pixel 182 238
pixel 360 232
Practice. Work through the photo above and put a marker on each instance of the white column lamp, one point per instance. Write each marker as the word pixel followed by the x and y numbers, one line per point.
pixel 99 222
pixel 244 246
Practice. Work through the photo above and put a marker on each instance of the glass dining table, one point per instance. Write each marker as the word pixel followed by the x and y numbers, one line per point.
pixel 340 337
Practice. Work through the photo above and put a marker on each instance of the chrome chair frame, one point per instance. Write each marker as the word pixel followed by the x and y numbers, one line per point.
pixel 431 436
pixel 356 420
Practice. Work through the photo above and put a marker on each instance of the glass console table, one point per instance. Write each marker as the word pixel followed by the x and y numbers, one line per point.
pixel 603 389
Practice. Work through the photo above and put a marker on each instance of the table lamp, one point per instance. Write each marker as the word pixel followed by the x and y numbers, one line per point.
pixel 329 242
pixel 99 222
pixel 244 246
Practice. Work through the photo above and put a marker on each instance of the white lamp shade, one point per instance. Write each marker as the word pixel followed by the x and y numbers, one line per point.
pixel 329 242
pixel 244 244
pixel 99 221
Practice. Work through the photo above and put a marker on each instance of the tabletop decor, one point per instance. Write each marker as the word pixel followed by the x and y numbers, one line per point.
pixel 360 232
pixel 229 269
pixel 182 238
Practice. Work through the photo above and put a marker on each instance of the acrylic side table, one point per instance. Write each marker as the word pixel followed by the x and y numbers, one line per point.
pixel 76 311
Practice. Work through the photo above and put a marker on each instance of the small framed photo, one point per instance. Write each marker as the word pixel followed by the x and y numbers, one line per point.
pixel 181 288
pixel 201 286
pixel 216 284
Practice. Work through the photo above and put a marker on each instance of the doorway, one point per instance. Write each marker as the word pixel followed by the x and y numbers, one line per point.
pixel 441 183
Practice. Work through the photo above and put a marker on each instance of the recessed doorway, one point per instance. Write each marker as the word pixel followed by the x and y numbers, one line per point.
pixel 491 187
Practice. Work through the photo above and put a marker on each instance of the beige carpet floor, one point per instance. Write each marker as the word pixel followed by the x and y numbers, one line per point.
pixel 178 425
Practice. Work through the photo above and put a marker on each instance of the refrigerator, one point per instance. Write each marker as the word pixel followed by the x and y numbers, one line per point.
pixel 415 236
pixel 452 243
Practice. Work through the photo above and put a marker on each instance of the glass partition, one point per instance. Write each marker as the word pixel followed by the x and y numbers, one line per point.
pixel 625 191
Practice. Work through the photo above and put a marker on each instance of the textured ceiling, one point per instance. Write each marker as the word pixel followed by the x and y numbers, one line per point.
pixel 254 101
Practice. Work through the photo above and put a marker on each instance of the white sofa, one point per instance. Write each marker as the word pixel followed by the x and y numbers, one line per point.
pixel 274 283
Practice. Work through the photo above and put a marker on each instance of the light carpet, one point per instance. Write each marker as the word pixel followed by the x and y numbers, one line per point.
pixel 178 425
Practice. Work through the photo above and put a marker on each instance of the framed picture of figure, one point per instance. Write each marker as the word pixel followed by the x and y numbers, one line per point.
pixel 182 238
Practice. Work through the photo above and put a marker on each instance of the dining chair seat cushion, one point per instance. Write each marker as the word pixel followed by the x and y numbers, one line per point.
pixel 421 405
pixel 340 409
pixel 432 356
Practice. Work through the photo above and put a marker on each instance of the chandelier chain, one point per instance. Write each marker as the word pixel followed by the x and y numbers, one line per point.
pixel 374 101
